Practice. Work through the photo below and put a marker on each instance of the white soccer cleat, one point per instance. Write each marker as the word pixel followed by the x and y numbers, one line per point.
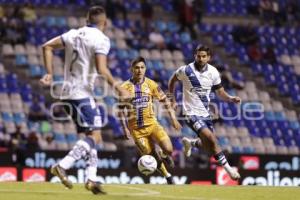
pixel 234 174
pixel 187 146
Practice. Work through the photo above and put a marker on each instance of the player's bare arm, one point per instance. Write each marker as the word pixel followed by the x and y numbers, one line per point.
pixel 48 47
pixel 171 113
pixel 171 89
pixel 226 97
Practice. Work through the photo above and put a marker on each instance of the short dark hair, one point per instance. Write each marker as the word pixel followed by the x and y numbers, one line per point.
pixel 93 13
pixel 203 48
pixel 137 60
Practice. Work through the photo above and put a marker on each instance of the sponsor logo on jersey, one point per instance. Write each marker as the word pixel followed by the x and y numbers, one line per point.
pixel 141 101
pixel 199 90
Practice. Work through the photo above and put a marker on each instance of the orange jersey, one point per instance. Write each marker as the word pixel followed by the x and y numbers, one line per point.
pixel 140 109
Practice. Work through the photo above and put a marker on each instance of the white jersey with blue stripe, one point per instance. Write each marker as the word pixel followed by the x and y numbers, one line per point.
pixel 197 86
pixel 81 46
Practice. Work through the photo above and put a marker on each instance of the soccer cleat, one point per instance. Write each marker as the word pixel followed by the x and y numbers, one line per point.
pixel 58 171
pixel 187 146
pixel 170 180
pixel 94 187
pixel 234 174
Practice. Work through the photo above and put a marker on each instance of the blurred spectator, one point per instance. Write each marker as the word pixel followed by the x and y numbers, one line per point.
pixel 37 110
pixel 2 13
pixel 18 140
pixel 199 10
pixel 147 14
pixel 269 55
pixel 271 12
pixel 293 12
pixel 2 30
pixel 228 81
pixel 186 16
pixel 48 143
pixel 266 10
pixel 157 39
pixel 114 7
pixel 32 142
pixel 18 145
pixel 255 53
pixel 29 13
pixel 245 35
pixel 15 31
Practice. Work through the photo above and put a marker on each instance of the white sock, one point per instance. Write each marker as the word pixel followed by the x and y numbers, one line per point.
pixel 80 150
pixel 227 167
pixel 91 170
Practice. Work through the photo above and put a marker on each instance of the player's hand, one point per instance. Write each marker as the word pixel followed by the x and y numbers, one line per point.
pixel 46 80
pixel 127 134
pixel 235 99
pixel 176 124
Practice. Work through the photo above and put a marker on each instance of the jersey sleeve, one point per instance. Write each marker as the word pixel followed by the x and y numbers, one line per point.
pixel 66 37
pixel 180 73
pixel 157 91
pixel 216 80
pixel 102 46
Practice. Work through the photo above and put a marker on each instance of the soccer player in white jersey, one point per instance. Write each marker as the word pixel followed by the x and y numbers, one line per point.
pixel 86 52
pixel 198 79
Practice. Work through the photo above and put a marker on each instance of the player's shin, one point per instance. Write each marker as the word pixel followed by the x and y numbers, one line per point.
pixel 167 159
pixel 161 168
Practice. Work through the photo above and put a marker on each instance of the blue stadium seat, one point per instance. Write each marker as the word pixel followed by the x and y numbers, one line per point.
pixel 7 117
pixel 19 118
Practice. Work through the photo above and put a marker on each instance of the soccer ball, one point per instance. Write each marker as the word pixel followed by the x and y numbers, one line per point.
pixel 147 164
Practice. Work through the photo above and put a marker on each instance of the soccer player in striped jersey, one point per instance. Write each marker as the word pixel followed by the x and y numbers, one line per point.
pixel 141 122
pixel 198 79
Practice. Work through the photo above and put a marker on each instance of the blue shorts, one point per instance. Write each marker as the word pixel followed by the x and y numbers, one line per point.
pixel 197 123
pixel 85 114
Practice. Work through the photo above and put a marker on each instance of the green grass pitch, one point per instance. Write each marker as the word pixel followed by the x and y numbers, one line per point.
pixel 55 191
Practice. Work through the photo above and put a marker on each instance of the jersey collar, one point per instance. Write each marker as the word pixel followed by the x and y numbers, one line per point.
pixel 204 69
pixel 92 25
pixel 132 81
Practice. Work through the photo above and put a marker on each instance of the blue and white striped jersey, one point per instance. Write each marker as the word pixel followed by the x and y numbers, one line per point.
pixel 197 86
